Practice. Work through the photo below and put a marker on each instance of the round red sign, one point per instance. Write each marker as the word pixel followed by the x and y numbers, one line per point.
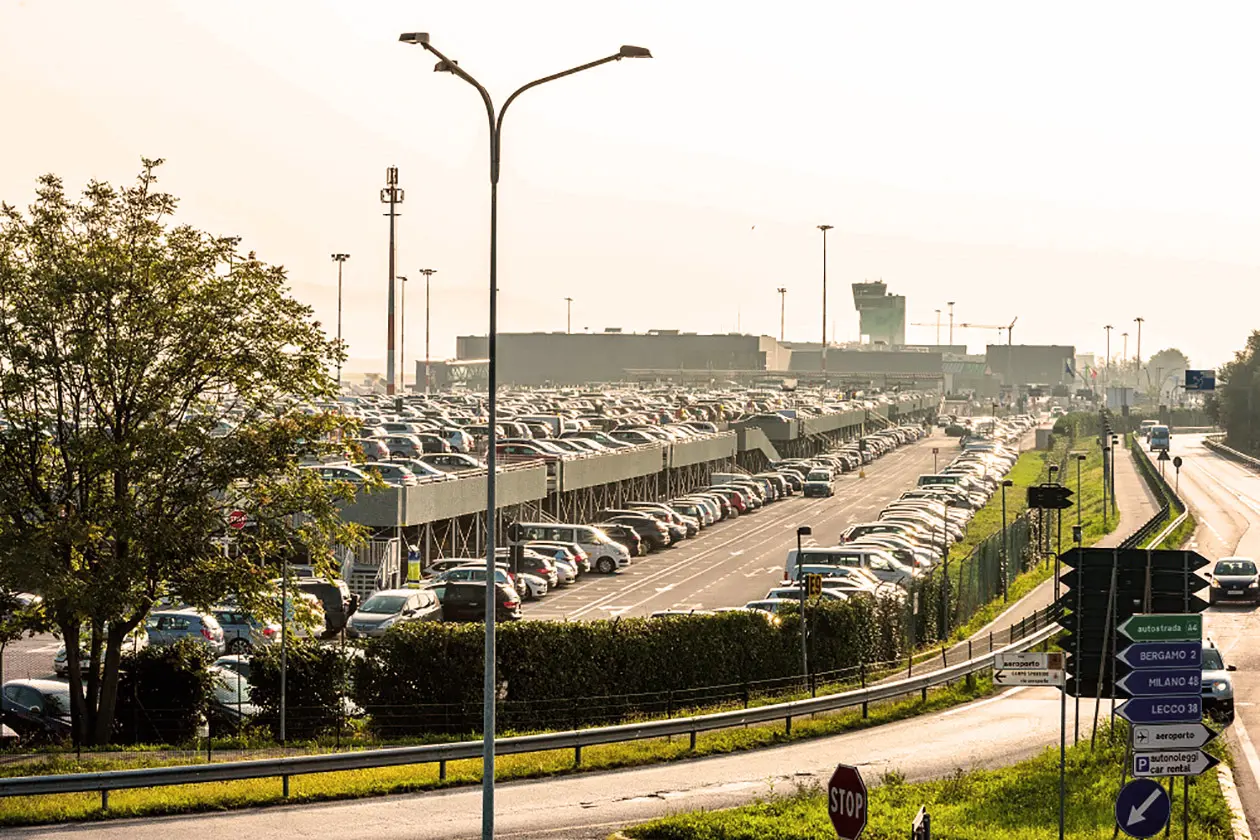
pixel 236 519
pixel 846 802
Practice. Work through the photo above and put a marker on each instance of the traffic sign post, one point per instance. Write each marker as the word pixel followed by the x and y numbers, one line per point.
pixel 1161 709
pixel 813 586
pixel 1142 808
pixel 1162 682
pixel 1163 628
pixel 1163 736
pixel 236 519
pixel 846 802
pixel 1029 669
pixel 1173 763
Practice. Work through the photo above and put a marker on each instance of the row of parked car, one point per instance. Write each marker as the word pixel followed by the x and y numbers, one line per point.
pixel 887 555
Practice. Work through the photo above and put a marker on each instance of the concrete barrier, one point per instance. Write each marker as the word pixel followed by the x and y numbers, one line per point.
pixel 606 468
pixel 714 448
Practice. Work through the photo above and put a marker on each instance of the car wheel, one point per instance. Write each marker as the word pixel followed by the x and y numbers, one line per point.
pixel 239 646
pixel 606 565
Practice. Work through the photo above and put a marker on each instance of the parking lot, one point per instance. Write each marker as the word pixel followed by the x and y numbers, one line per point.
pixel 737 561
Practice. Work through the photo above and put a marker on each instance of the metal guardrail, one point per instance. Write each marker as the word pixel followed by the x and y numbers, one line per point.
pixel 103 782
pixel 1172 501
pixel 1213 443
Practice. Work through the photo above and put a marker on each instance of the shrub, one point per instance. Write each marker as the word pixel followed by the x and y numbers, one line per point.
pixel 163 693
pixel 427 677
pixel 315 682
pixel 955 430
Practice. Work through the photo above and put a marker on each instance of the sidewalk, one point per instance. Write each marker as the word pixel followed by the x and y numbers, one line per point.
pixel 1136 503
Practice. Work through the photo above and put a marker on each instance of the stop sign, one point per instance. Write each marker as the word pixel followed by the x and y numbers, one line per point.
pixel 846 802
pixel 236 519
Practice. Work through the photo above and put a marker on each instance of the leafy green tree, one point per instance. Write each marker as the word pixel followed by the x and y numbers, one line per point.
pixel 1236 402
pixel 150 380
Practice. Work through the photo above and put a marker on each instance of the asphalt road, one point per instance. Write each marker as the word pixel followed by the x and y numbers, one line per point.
pixel 734 562
pixel 1225 498
pixel 995 731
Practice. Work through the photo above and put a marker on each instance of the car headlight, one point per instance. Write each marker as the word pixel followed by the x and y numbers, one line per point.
pixel 1255 584
pixel 1220 686
pixel 1216 584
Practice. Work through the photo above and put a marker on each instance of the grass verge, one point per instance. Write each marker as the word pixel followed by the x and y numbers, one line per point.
pixel 35 810
pixel 1012 803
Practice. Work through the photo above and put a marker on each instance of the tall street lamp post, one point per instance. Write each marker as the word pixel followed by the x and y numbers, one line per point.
pixel 1138 372
pixel 340 259
pixel 428 274
pixel 782 309
pixel 495 120
pixel 568 316
pixel 402 333
pixel 824 229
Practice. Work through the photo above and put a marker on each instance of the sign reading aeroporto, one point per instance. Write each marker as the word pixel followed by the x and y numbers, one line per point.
pixel 846 802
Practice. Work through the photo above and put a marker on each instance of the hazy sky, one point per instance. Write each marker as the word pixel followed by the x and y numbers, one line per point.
pixel 1072 164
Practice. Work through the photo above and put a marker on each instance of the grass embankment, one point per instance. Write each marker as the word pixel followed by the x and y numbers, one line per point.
pixel 378 782
pixel 1032 468
pixel 1013 803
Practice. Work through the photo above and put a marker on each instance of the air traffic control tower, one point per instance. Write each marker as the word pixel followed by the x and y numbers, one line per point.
pixel 882 316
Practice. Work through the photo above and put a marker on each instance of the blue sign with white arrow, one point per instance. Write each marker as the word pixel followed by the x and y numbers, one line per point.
pixel 1161 709
pixel 1161 682
pixel 1146 655
pixel 1142 808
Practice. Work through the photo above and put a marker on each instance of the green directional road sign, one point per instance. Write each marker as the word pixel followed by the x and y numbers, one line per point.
pixel 1163 628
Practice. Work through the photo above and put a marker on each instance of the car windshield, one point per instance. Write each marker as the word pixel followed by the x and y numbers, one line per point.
pixel 1212 660
pixel 1235 567
pixel 383 604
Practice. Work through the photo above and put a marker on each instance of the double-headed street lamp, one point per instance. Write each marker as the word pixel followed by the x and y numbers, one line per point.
pixel 340 259
pixel 446 65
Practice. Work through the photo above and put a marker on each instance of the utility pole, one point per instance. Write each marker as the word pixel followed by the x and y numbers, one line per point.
pixel 568 316
pixel 782 309
pixel 938 328
pixel 393 196
pixel 1124 357
pixel 427 272
pixel 402 334
pixel 950 304
pixel 339 259
pixel 824 229
pixel 1138 373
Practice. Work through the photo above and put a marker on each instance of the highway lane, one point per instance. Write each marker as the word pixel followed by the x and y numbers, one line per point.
pixel 1225 498
pixel 737 561
pixel 995 731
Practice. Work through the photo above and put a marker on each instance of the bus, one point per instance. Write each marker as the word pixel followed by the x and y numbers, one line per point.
pixel 1159 438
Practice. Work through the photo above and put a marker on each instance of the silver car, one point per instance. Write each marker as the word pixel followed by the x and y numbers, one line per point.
pixel 169 626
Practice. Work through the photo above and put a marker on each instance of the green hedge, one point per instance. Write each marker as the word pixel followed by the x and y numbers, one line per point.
pixel 315 682
pixel 426 677
pixel 163 693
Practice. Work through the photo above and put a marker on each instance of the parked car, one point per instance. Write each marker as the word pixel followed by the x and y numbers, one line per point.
pixel 165 627
pixel 819 483
pixel 242 632
pixel 390 607
pixel 36 708
pixel 467 601
pixel 452 461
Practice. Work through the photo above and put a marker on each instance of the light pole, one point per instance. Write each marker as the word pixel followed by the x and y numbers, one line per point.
pixel 428 273
pixel 1058 519
pixel 1006 548
pixel 938 328
pixel 1107 378
pixel 782 309
pixel 393 196
pixel 402 334
pixel 568 316
pixel 824 229
pixel 1124 357
pixel 1079 460
pixel 1105 450
pixel 340 259
pixel 950 304
pixel 489 686
pixel 802 531
pixel 1138 373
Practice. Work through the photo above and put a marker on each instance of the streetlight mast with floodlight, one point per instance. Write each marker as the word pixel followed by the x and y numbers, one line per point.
pixel 446 65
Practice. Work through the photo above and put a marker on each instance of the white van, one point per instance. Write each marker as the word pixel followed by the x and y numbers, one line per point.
pixel 606 555
pixel 880 563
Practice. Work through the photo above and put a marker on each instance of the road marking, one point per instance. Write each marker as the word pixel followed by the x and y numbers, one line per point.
pixel 1249 749
pixel 1009 692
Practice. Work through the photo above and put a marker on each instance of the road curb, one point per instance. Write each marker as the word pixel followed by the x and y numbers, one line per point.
pixel 1237 818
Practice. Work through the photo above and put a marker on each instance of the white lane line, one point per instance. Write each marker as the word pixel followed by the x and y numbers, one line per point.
pixel 1005 694
pixel 1248 748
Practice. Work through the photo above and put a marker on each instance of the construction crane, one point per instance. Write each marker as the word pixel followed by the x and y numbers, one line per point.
pixel 1008 328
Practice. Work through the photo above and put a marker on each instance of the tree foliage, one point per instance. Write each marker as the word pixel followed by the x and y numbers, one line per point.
pixel 1164 363
pixel 150 380
pixel 1236 402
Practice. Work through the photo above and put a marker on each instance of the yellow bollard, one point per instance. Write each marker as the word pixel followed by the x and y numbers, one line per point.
pixel 862 472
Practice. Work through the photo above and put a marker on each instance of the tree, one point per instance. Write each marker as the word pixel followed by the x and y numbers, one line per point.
pixel 1234 405
pixel 150 380
pixel 1162 365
